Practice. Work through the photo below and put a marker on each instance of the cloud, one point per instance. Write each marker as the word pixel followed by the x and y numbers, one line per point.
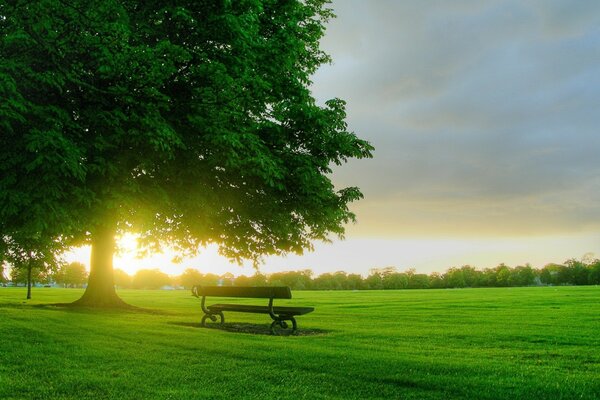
pixel 483 114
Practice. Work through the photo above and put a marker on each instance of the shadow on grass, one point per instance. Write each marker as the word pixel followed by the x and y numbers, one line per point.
pixel 20 304
pixel 86 310
pixel 252 329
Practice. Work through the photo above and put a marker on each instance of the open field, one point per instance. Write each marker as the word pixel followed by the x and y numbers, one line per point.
pixel 518 343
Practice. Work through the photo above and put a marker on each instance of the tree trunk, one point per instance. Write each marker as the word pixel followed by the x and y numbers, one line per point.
pixel 100 291
pixel 2 278
pixel 29 268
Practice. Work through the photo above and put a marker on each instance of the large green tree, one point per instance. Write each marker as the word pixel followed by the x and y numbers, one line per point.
pixel 187 122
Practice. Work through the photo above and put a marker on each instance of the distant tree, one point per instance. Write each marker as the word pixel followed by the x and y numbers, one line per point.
pixel 3 278
pixel 355 282
pixel 521 276
pixel 32 255
pixel 242 280
pixel 374 281
pixel 594 273
pixel 578 272
pixel 258 279
pixel 564 275
pixel 454 278
pixel 22 276
pixel 190 122
pixel 436 280
pixel 296 280
pixel 470 275
pixel 546 275
pixel 418 281
pixel 386 278
pixel 324 281
pixel 304 279
pixel 71 275
pixel 503 274
pixel 340 279
pixel 190 277
pixel 226 279
pixel 122 279
pixel 487 278
pixel 210 279
pixel 395 280
pixel 150 279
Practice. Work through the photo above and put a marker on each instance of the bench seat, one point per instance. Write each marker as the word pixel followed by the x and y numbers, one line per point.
pixel 260 309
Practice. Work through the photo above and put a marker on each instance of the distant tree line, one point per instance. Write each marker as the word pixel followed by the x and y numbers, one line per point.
pixel 65 275
pixel 572 272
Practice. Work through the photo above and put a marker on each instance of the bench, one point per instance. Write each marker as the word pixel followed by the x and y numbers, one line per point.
pixel 279 315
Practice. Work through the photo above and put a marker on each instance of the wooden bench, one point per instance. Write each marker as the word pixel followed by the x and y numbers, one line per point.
pixel 279 314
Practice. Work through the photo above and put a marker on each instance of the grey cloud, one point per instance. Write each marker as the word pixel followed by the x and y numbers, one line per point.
pixel 489 106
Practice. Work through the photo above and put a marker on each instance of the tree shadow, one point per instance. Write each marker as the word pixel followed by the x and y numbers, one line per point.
pixel 20 304
pixel 252 329
pixel 76 308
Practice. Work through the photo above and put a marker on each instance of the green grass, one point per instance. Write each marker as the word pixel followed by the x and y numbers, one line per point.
pixel 518 343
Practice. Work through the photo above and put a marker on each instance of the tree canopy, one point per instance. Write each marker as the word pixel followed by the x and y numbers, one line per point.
pixel 187 122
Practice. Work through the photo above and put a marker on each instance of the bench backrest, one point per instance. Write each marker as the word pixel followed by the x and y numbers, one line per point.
pixel 263 292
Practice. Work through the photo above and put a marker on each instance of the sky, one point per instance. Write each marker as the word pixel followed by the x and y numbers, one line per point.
pixel 484 117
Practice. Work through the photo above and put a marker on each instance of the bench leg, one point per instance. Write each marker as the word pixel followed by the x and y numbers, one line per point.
pixel 281 322
pixel 213 318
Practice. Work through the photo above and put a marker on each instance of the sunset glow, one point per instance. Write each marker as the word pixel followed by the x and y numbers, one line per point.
pixel 359 255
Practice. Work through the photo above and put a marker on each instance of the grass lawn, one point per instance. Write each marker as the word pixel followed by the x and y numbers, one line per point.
pixel 513 343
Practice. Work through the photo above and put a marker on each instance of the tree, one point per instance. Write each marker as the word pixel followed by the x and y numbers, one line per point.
pixel 386 278
pixel 502 275
pixel 71 275
pixel 226 279
pixel 22 276
pixel 454 278
pixel 418 281
pixel 3 249
pixel 546 275
pixel 471 276
pixel 488 278
pixel 31 256
pixel 564 275
pixel 296 280
pixel 122 279
pixel 190 277
pixel 522 276
pixel 188 123
pixel 594 273
pixel 3 277
pixel 210 279
pixel 355 282
pixel 578 272
pixel 258 279
pixel 375 280
pixel 436 280
pixel 150 279
pixel 395 280
pixel 242 280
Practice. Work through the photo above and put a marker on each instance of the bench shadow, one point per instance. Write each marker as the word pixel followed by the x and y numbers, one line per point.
pixel 252 329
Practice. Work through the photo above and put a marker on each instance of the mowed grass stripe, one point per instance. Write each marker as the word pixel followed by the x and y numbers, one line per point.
pixel 421 344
